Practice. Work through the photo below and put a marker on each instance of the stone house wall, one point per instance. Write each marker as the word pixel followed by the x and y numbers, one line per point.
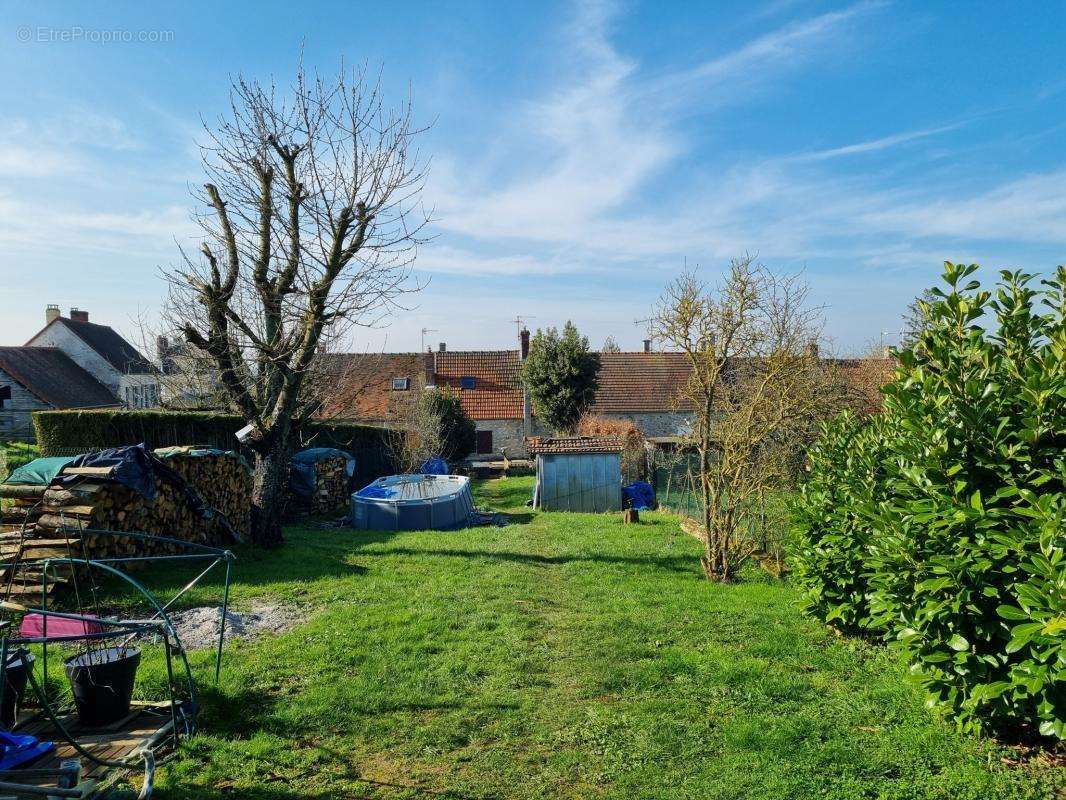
pixel 658 423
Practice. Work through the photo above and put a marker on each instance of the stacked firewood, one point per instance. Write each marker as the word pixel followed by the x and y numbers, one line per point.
pixel 331 485
pixel 223 480
pixel 331 490
pixel 55 516
pixel 18 506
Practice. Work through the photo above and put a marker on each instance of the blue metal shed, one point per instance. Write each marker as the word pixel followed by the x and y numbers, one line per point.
pixel 578 473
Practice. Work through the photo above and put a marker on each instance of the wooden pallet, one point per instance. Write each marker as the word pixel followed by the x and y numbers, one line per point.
pixel 120 740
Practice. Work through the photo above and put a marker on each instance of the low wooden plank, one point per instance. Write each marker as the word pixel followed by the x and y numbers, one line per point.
pixel 99 471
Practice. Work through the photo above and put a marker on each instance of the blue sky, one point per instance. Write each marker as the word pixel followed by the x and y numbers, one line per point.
pixel 581 152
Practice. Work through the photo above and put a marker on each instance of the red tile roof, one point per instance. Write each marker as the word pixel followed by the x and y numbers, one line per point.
pixel 575 444
pixel 363 385
pixel 497 392
pixel 629 383
pixel 865 377
pixel 641 382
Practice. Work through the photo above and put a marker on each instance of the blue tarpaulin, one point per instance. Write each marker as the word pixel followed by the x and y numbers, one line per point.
pixel 374 492
pixel 640 495
pixel 134 467
pixel 304 468
pixel 434 466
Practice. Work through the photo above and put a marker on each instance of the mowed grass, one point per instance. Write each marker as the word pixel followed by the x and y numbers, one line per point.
pixel 563 656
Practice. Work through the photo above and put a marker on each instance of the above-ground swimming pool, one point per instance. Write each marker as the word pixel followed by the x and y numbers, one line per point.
pixel 413 503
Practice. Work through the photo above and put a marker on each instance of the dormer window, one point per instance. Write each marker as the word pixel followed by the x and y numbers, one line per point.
pixel 401 384
pixel 467 382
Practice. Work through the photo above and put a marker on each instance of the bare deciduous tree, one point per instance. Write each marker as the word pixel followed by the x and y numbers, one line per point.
pixel 756 388
pixel 310 220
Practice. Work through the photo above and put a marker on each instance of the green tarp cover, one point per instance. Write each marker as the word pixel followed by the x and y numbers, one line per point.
pixel 38 472
pixel 180 450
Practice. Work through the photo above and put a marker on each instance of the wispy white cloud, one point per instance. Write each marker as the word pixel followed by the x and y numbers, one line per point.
pixel 60 144
pixel 30 226
pixel 445 259
pixel 760 59
pixel 1029 209
pixel 875 145
pixel 601 138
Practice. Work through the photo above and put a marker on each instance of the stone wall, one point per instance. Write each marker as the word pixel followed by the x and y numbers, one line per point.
pixel 508 435
pixel 658 423
pixel 15 421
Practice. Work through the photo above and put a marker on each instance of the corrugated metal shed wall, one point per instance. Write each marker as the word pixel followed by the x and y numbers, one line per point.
pixel 589 482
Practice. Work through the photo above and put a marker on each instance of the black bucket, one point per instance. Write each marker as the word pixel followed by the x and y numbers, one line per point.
pixel 17 674
pixel 102 681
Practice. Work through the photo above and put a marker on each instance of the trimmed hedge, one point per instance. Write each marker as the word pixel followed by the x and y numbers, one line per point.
pixel 70 432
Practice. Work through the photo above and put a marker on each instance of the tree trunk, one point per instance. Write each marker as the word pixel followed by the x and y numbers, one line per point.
pixel 268 495
pixel 708 517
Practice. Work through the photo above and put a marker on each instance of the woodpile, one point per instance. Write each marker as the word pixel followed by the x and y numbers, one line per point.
pixel 47 521
pixel 331 485
pixel 331 490
pixel 222 479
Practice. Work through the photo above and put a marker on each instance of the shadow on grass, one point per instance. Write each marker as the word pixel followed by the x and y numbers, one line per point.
pixel 274 791
pixel 307 555
pixel 679 563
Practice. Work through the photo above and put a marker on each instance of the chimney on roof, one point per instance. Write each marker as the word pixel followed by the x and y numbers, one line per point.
pixel 523 341
pixel 77 315
pixel 812 349
pixel 647 345
pixel 51 313
pixel 429 365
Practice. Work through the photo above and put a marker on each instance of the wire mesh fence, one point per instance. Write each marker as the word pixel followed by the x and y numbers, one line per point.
pixel 671 476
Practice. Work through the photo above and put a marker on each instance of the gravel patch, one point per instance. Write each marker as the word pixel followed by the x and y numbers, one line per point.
pixel 198 627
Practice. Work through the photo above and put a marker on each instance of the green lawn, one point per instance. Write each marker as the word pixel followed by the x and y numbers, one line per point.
pixel 565 656
pixel 14 455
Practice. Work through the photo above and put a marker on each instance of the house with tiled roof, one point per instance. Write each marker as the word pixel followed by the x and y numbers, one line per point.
pixel 645 388
pixel 102 352
pixel 42 379
pixel 377 387
pixel 380 388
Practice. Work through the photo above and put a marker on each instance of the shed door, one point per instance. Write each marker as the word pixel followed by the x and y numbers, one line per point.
pixel 484 442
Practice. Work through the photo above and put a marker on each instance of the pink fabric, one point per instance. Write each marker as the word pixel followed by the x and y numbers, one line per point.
pixel 33 626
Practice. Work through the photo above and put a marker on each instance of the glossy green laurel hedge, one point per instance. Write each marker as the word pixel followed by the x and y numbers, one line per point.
pixel 832 531
pixel 961 536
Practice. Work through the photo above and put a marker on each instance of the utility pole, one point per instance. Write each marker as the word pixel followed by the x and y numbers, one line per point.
pixel 424 332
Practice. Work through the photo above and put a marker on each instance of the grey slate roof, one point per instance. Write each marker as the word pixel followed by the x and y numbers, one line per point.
pixel 106 341
pixel 48 373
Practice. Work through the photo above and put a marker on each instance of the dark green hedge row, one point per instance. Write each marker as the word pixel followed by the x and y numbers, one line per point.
pixel 942 524
pixel 69 432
